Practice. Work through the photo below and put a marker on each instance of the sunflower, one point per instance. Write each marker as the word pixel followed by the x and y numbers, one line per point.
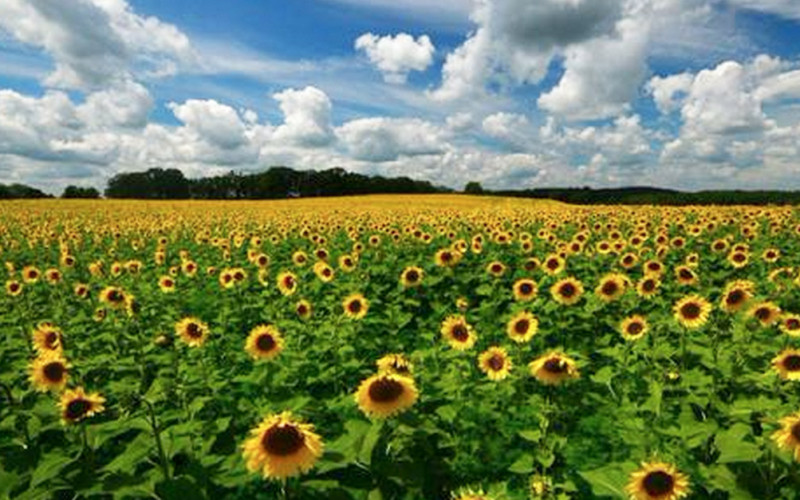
pixel 553 368
pixel 522 327
pixel 692 311
pixel 166 284
pixel 281 447
pixel 13 287
pixel 77 405
pixel 771 255
pixel 100 314
pixel 355 306
pixel 653 267
pixel 766 313
pixel 470 494
pixel 458 332
pixel 264 342
pixel 53 276
pixel 567 291
pixel 347 263
pixel 790 325
pixel 225 279
pixel 81 290
pixel 189 268
pixel 303 309
pixel 299 258
pixel 386 394
pixel 738 259
pixel 531 264
pixel 30 274
pixel 525 289
pixel 657 481
pixel 787 364
pixel 788 436
pixel 647 286
pixel 495 363
pixel 736 294
pixel 447 258
pixel 287 283
pixel 323 271
pixel 633 327
pixel 686 275
pixel 113 296
pixel 49 372
pixel 611 287
pixel 395 363
pixel 48 338
pixel 412 276
pixel 462 304
pixel 554 264
pixel 193 331
pixel 495 268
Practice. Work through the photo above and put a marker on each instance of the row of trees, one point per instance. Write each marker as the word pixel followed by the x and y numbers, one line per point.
pixel 277 182
pixel 657 196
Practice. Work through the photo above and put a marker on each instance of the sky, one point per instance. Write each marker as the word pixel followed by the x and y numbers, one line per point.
pixel 514 94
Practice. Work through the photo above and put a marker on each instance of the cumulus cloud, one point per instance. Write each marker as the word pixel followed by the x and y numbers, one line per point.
pixel 387 139
pixel 307 117
pixel 211 121
pixel 668 92
pixel 395 56
pixel 95 43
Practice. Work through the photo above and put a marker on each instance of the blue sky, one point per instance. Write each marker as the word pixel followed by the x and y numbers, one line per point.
pixel 690 94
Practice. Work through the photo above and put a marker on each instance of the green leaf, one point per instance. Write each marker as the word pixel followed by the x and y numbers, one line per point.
pixel 733 447
pixel 370 440
pixel 531 435
pixel 179 488
pixel 523 465
pixel 48 468
pixel 609 480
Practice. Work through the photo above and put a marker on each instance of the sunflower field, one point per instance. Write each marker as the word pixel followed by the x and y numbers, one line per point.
pixel 398 347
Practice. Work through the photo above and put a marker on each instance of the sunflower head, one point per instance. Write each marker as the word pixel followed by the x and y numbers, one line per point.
pixel 303 309
pixel 458 333
pixel 554 368
pixel 686 275
pixel 788 436
pixel 13 288
pixel 77 405
pixel 766 313
pixel 48 338
pixel 633 327
pixel 611 287
pixel 495 268
pixel 166 284
pixel 522 327
pixel 192 331
pixel 282 446
pixel 790 325
pixel 113 296
pixel 395 363
pixel 355 306
pixel 567 291
pixel 495 363
pixel 657 481
pixel 264 342
pixel 692 311
pixel 525 289
pixel 287 283
pixel 787 364
pixel 386 394
pixel 411 276
pixel 49 372
pixel 736 295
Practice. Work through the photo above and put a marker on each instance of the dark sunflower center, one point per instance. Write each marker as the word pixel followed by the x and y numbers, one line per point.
pixel 496 362
pixel 460 333
pixel 649 285
pixel 530 266
pixel 168 283
pixel 265 342
pixel 288 282
pixel 555 365
pixel 385 390
pixel 114 296
pixel 690 311
pixel 796 431
pixel 77 409
pixel 193 330
pixel 526 288
pixel 412 276
pixel 446 257
pixel 735 297
pixel 283 440
pixel 14 287
pixel 686 274
pixel 610 288
pixel 522 326
pixel 792 362
pixel 302 309
pixel 552 264
pixel 658 483
pixel 792 324
pixel 348 263
pixel 326 272
pixel 653 266
pixel 51 340
pixel 238 276
pixel 719 246
pixel 635 328
pixel 567 290
pixel 496 268
pixel 762 313
pixel 54 372
pixel 628 260
pixel 354 306
pixel 739 257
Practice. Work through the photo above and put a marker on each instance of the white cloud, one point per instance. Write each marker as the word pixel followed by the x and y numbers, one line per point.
pixel 216 123
pixel 95 43
pixel 395 56
pixel 126 104
pixel 307 117
pixel 668 92
pixel 387 139
pixel 786 8
pixel 513 129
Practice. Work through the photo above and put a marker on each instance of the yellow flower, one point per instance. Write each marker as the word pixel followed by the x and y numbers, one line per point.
pixel 692 311
pixel 458 333
pixel 323 271
pixel 113 296
pixel 447 258
pixel 657 481
pixel 766 313
pixel 48 338
pixel 525 289
pixel 13 287
pixel 611 287
pixel 787 364
pixel 49 372
pixel 522 327
pixel 281 446
pixel 166 284
pixel 790 325
pixel 355 306
pixel 77 405
pixel 287 283
pixel 553 264
pixel 303 309
pixel 736 294
pixel 386 394
pixel 264 342
pixel 495 268
pixel 395 363
pixel 647 286
pixel 554 368
pixel 412 276
pixel 495 363
pixel 633 327
pixel 788 436
pixel 192 331
pixel 567 291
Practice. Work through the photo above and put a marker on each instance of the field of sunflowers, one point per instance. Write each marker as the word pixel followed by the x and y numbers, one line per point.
pixel 398 347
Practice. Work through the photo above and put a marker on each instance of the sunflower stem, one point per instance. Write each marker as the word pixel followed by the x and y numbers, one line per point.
pixel 157 435
pixel 7 392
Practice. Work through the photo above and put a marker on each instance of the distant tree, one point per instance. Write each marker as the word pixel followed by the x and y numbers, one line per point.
pixel 473 188
pixel 13 191
pixel 80 192
pixel 156 183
